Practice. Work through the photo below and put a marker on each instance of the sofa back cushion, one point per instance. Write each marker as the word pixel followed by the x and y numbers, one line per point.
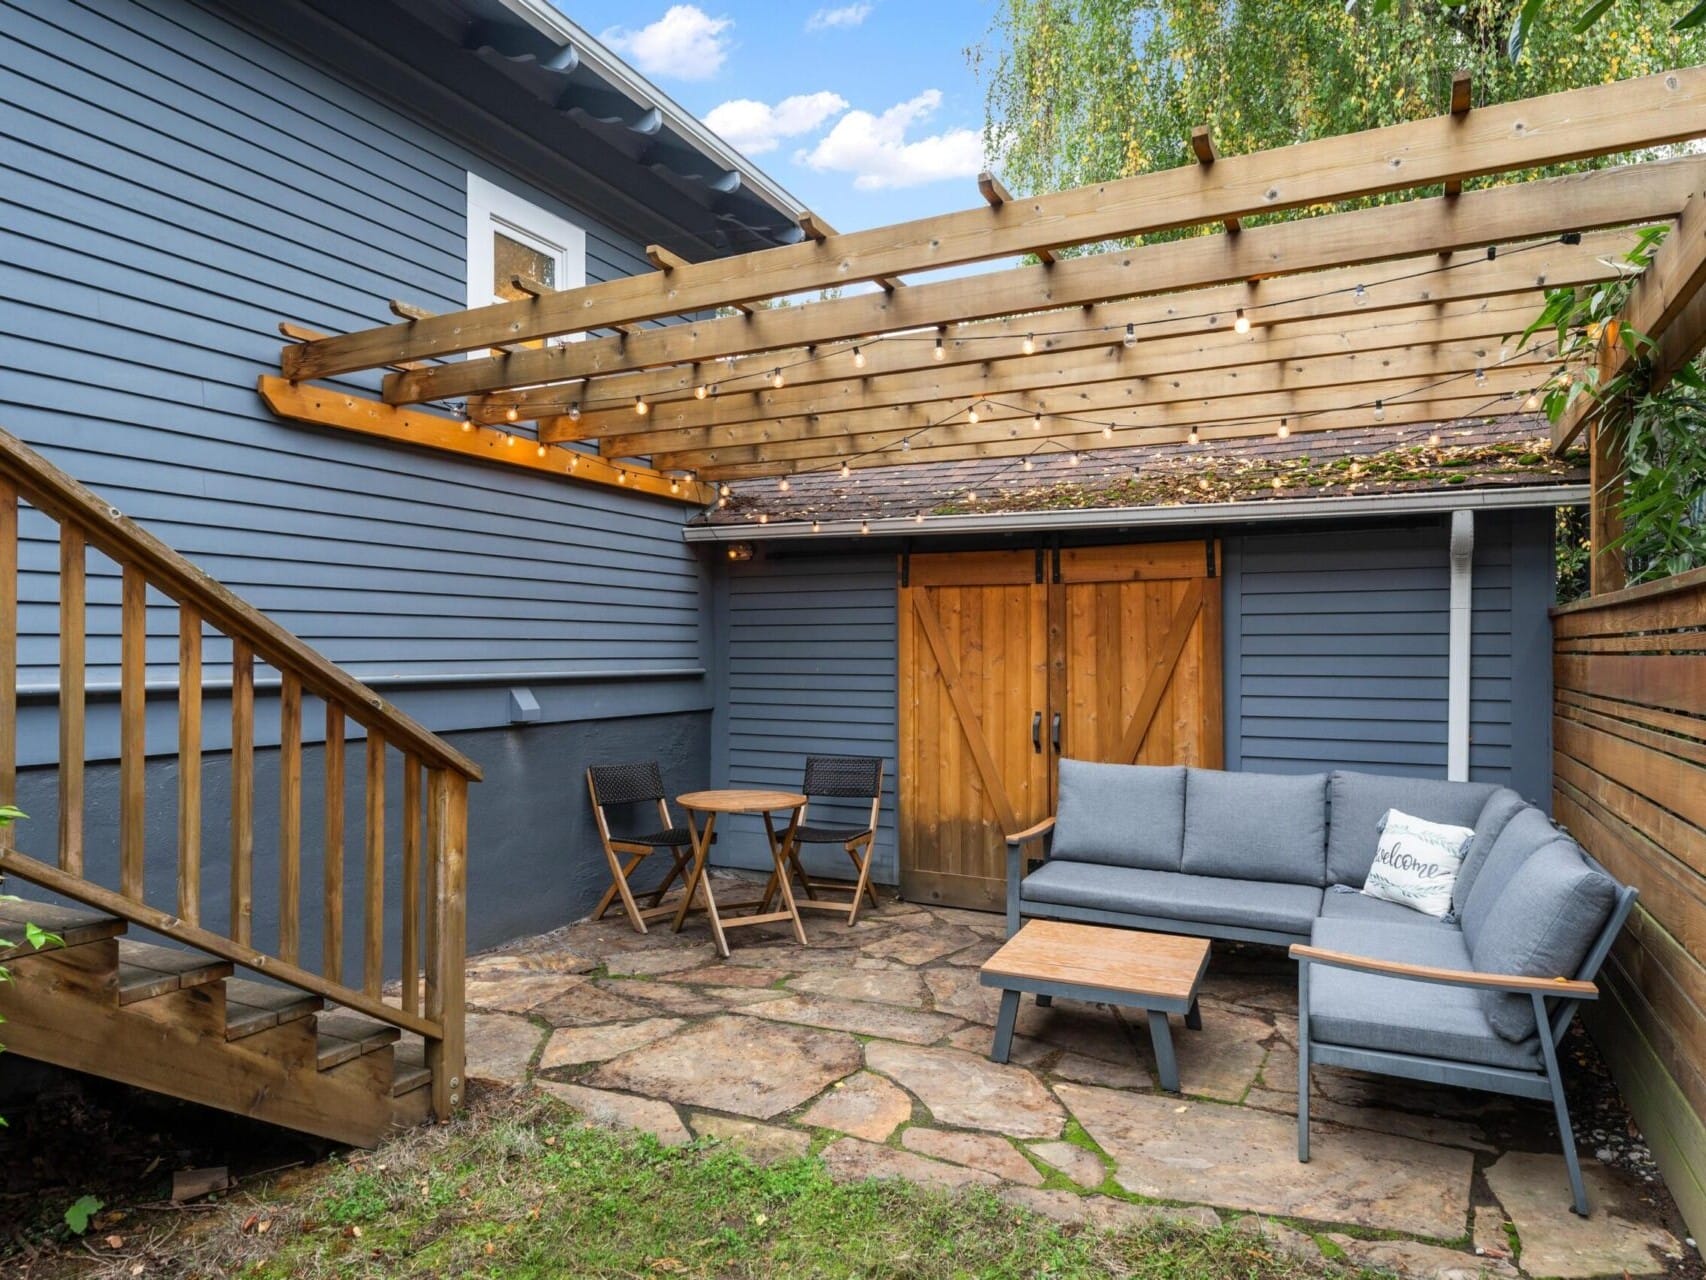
pixel 1360 800
pixel 1541 926
pixel 1503 805
pixel 1122 815
pixel 1527 831
pixel 1256 826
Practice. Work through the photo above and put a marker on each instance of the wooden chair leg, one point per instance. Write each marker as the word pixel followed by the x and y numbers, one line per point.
pixel 619 877
pixel 862 863
pixel 863 886
pixel 800 871
pixel 678 869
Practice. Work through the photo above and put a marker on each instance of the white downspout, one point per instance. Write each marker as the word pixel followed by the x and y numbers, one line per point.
pixel 1457 683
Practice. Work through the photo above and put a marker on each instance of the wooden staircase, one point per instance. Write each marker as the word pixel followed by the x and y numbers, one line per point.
pixel 301 1047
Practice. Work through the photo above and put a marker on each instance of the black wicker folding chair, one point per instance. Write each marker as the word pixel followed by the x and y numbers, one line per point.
pixel 619 785
pixel 837 778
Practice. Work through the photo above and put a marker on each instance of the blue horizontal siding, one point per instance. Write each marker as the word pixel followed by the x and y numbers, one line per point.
pixel 174 184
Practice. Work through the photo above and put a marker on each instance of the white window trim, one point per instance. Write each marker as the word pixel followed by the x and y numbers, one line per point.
pixel 494 208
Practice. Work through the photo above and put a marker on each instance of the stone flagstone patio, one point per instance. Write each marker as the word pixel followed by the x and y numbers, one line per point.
pixel 870 1048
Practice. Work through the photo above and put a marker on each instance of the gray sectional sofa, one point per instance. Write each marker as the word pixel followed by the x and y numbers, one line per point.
pixel 1280 859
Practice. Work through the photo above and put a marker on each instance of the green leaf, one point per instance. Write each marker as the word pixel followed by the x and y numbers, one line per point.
pixel 1590 15
pixel 1693 18
pixel 81 1211
pixel 1524 23
pixel 40 938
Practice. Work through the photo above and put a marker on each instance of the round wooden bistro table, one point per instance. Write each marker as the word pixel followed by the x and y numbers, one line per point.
pixel 702 809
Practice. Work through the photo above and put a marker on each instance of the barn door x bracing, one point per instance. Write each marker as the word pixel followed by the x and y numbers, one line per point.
pixel 1011 659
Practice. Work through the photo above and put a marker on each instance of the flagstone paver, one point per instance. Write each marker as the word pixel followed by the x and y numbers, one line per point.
pixel 854 1160
pixel 1426 1128
pixel 518 992
pixel 971 1093
pixel 866 1106
pixel 1287 1242
pixel 763 1143
pixel 742 1065
pixel 1221 1060
pixel 623 1112
pixel 975 1151
pixel 890 984
pixel 1554 1241
pixel 551 961
pixel 500 1046
pixel 575 1046
pixel 1106 1213
pixel 724 975
pixel 1414 1260
pixel 1247 1159
pixel 920 946
pixel 1115 1075
pixel 862 1017
pixel 1026 1052
pixel 650 963
pixel 589 1006
pixel 1083 1166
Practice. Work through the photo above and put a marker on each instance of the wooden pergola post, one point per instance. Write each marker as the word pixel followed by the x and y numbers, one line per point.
pixel 1606 568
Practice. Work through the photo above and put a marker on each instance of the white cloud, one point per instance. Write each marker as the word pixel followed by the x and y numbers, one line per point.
pixel 848 15
pixel 875 149
pixel 756 127
pixel 686 43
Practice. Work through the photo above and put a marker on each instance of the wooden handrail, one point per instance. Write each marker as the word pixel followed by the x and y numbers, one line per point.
pixel 51 491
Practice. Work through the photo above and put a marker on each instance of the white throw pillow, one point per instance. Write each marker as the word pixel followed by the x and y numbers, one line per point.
pixel 1416 862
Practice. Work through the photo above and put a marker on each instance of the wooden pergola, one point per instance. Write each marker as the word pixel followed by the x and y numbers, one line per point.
pixel 1404 312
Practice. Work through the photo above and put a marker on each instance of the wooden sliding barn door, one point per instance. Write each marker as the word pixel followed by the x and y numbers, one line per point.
pixel 973 684
pixel 1136 670
pixel 1010 659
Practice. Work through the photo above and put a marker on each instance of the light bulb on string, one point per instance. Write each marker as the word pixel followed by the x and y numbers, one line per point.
pixel 467 426
pixel 906 444
pixel 700 391
pixel 540 450
pixel 575 411
pixel 917 517
pixel 782 485
pixel 641 408
pixel 1284 429
pixel 1194 438
pixel 621 477
pixel 509 442
pixel 512 413
pixel 1480 377
pixel 845 471
pixel 1532 403
pixel 1242 323
pixel 776 379
pixel 674 485
pixel 971 414
pixel 1029 465
pixel 1036 422
pixel 971 495
pixel 858 358
pixel 1029 345
pixel 1433 439
pixel 1380 411
pixel 1360 296
pixel 1075 460
pixel 941 352
pixel 1108 432
pixel 763 517
pixel 1130 339
pixel 724 491
pixel 864 526
pixel 817 526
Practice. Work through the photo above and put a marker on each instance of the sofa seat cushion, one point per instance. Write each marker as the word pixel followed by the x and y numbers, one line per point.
pixel 1545 919
pixel 1360 801
pixel 1399 1015
pixel 1339 904
pixel 1123 815
pixel 1528 830
pixel 1257 826
pixel 1172 895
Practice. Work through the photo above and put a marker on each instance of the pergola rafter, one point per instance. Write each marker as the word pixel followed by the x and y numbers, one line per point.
pixel 1403 309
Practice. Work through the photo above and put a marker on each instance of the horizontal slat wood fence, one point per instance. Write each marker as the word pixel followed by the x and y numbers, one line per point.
pixel 96 540
pixel 1629 780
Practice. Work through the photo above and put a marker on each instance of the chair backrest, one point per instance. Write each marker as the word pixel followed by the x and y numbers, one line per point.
pixel 625 783
pixel 847 777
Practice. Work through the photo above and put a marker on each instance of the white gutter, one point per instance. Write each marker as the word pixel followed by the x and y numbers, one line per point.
pixel 1457 682
pixel 545 17
pixel 1515 497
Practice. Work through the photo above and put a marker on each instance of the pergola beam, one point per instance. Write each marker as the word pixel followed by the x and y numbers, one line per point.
pixel 1250 415
pixel 995 194
pixel 1286 300
pixel 1465 335
pixel 1460 102
pixel 1202 146
pixel 1402 413
pixel 1604 119
pixel 1575 202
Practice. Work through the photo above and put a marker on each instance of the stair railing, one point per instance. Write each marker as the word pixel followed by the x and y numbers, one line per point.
pixel 435 776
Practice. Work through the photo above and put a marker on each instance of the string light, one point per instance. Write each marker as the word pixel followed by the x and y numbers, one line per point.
pixel 782 485
pixel 540 450
pixel 817 527
pixel 1130 339
pixel 641 408
pixel 1242 323
pixel 864 526
pixel 1433 439
pixel 621 477
pixel 700 391
pixel 723 491
pixel 1202 483
pixel 1360 297
pixel 509 442
pixel 1276 484
pixel 575 411
pixel 721 503
pixel 858 358
pixel 1107 432
pixel 1029 345
pixel 971 414
pixel 467 426
pixel 674 485
pixel 1036 422
pixel 1480 377
pixel 917 517
pixel 1532 403
pixel 1029 465
pixel 512 413
pixel 845 471
pixel 1194 437
pixel 971 495
pixel 763 517
pixel 906 444
pixel 1075 459
pixel 1380 411
pixel 941 352
pixel 776 379
pixel 1284 429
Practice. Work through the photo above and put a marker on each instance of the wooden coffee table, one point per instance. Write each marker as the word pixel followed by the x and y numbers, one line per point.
pixel 1156 972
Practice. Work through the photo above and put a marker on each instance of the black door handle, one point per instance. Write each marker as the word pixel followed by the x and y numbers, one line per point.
pixel 1054 733
pixel 1037 733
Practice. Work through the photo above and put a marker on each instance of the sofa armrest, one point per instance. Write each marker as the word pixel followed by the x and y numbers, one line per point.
pixel 1031 833
pixel 1570 988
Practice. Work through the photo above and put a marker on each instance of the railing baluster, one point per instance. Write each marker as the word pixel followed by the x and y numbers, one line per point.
pixel 242 791
pixel 373 872
pixel 133 710
pixel 290 818
pixel 332 934
pixel 189 764
pixel 73 627
pixel 8 651
pixel 447 933
pixel 411 884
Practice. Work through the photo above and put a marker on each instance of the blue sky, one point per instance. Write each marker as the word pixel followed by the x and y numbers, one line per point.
pixel 867 110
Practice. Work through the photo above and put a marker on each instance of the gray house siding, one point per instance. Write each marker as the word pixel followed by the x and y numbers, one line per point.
pixel 806 665
pixel 1335 656
pixel 172 185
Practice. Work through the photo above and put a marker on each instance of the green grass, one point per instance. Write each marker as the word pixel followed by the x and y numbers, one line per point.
pixel 530 1191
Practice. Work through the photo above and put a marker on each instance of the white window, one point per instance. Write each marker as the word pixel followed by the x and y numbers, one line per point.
pixel 509 236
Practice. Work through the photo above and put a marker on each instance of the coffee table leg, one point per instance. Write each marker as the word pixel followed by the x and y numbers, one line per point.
pixel 1009 1014
pixel 1193 1019
pixel 1044 1002
pixel 1161 1040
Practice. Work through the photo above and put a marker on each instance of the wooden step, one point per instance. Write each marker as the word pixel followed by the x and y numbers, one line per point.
pixel 146 971
pixel 75 925
pixel 409 1070
pixel 344 1035
pixel 253 1007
